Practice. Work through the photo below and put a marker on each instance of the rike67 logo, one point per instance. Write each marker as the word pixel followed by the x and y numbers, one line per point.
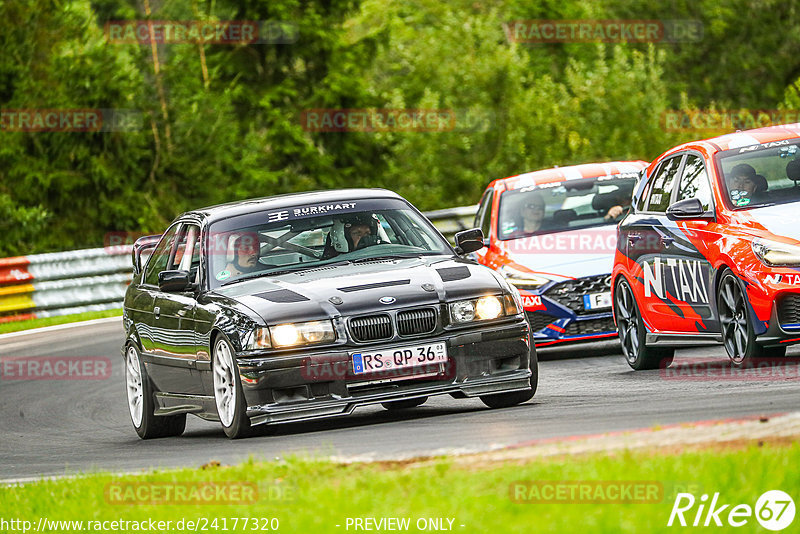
pixel 774 510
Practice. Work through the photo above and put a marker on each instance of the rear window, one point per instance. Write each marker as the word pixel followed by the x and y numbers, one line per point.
pixel 562 206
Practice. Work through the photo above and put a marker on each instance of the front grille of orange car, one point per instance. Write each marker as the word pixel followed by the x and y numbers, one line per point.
pixel 789 312
pixel 571 292
pixel 591 326
pixel 414 322
pixel 539 320
pixel 371 327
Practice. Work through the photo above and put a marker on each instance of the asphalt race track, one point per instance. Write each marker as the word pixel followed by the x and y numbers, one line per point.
pixel 55 427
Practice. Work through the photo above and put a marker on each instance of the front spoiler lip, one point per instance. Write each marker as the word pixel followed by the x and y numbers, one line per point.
pixel 518 380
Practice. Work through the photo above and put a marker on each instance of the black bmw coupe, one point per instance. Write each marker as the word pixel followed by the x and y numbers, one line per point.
pixel 304 306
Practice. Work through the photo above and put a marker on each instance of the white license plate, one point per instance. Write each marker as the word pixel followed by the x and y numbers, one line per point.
pixel 597 301
pixel 398 358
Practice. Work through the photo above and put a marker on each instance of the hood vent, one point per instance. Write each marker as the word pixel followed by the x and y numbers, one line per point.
pixel 350 289
pixel 282 296
pixel 451 274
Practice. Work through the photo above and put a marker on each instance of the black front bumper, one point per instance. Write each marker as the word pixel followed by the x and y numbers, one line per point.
pixel 304 386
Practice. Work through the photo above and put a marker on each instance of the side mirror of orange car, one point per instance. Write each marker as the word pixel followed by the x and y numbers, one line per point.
pixel 690 208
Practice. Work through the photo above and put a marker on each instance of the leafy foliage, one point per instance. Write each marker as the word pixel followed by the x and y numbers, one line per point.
pixel 216 122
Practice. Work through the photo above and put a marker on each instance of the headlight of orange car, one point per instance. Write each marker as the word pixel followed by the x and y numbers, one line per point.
pixel 776 254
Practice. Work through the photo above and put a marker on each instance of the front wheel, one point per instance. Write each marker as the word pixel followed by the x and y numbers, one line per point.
pixel 141 402
pixel 738 333
pixel 630 326
pixel 228 393
pixel 506 400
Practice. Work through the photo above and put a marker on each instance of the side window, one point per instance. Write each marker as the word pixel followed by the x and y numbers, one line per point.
pixel 160 257
pixel 694 182
pixel 658 196
pixel 483 219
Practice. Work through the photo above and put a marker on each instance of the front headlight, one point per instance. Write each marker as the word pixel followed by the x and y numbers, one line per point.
pixel 482 309
pixel 775 254
pixel 292 335
pixel 522 280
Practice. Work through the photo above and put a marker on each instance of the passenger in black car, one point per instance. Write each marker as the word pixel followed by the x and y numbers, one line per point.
pixel 243 254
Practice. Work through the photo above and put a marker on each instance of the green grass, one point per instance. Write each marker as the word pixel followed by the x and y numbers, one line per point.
pixel 17 326
pixel 313 496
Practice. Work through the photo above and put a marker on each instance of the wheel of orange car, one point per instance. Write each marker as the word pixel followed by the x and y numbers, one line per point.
pixel 632 334
pixel 228 394
pixel 141 402
pixel 738 333
pixel 404 404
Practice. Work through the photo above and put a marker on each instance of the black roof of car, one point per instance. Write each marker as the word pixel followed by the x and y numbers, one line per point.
pixel 254 205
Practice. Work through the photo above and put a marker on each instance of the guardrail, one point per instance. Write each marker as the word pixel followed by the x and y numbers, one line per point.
pixel 62 283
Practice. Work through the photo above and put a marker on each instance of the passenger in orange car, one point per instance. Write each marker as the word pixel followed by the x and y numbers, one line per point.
pixel 532 213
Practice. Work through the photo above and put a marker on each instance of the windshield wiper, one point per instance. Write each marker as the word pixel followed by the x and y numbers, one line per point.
pixel 399 255
pixel 293 269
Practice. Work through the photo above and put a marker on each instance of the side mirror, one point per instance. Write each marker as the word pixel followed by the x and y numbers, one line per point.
pixel 174 281
pixel 691 208
pixel 141 251
pixel 469 241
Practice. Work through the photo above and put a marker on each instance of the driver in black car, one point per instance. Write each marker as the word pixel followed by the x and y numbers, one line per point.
pixel 359 231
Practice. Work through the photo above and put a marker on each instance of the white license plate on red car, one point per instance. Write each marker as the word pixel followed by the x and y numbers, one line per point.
pixel 597 301
pixel 398 358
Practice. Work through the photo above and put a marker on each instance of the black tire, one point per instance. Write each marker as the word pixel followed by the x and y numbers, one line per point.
pixel 506 400
pixel 404 404
pixel 228 394
pixel 140 391
pixel 736 327
pixel 632 333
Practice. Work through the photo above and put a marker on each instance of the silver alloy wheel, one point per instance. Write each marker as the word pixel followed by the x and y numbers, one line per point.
pixel 733 316
pixel 224 382
pixel 133 379
pixel 627 322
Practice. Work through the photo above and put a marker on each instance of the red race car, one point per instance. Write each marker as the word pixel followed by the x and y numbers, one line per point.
pixel 552 234
pixel 711 250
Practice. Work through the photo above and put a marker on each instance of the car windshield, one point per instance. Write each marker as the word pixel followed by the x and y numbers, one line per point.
pixel 304 237
pixel 567 205
pixel 760 175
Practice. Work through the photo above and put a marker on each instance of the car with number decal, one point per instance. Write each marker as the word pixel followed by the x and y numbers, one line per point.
pixel 711 250
pixel 310 305
pixel 552 234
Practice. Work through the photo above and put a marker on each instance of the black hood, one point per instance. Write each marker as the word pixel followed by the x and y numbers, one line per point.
pixel 355 289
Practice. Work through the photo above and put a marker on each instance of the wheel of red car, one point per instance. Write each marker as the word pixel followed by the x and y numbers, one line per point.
pixel 632 332
pixel 738 334
pixel 141 403
pixel 228 393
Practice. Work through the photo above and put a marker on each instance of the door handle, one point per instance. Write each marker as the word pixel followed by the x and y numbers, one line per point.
pixel 157 311
pixel 667 241
pixel 633 238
